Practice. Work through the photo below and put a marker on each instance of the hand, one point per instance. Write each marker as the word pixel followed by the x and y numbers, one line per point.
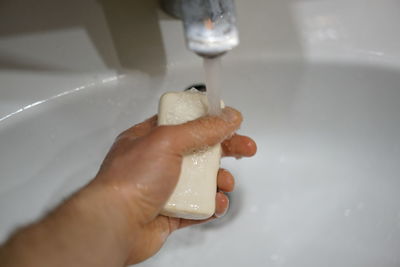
pixel 143 167
pixel 114 220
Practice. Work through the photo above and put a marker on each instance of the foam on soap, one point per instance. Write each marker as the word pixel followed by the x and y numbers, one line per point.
pixel 194 195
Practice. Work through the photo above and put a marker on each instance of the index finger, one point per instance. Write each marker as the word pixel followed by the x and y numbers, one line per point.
pixel 203 132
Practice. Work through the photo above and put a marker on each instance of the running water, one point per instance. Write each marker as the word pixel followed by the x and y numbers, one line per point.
pixel 212 69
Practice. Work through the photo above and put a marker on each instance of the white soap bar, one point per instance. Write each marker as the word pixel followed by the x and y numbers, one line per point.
pixel 194 195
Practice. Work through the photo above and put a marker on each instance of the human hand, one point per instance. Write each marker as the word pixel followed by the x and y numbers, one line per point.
pixel 143 166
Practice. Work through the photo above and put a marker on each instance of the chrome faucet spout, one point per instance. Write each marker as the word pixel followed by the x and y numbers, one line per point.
pixel 210 25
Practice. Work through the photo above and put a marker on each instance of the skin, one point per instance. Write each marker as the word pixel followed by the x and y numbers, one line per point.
pixel 115 220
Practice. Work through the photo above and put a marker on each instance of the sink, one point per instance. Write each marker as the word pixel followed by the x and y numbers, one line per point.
pixel 318 85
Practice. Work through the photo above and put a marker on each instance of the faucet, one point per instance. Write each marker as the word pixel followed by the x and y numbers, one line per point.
pixel 209 25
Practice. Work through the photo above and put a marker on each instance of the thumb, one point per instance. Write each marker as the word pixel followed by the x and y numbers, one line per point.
pixel 205 131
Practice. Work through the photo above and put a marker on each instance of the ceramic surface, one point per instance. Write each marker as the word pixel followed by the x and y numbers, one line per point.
pixel 318 83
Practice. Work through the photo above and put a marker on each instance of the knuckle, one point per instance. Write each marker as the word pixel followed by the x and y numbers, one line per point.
pixel 163 136
pixel 206 123
pixel 130 133
pixel 121 135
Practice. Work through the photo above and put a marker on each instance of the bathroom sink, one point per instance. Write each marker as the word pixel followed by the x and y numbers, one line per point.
pixel 318 83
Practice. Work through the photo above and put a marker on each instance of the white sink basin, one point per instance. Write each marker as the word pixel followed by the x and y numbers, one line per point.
pixel 318 83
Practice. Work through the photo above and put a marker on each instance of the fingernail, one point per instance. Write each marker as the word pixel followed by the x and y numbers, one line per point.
pixel 219 215
pixel 230 114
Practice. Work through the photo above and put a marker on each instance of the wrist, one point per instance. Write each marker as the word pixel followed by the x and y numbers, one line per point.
pixel 89 229
pixel 111 208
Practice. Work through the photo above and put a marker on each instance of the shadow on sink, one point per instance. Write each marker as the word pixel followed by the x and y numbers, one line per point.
pixel 126 35
pixel 136 34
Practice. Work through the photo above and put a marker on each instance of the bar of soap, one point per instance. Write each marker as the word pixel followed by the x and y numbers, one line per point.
pixel 194 195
